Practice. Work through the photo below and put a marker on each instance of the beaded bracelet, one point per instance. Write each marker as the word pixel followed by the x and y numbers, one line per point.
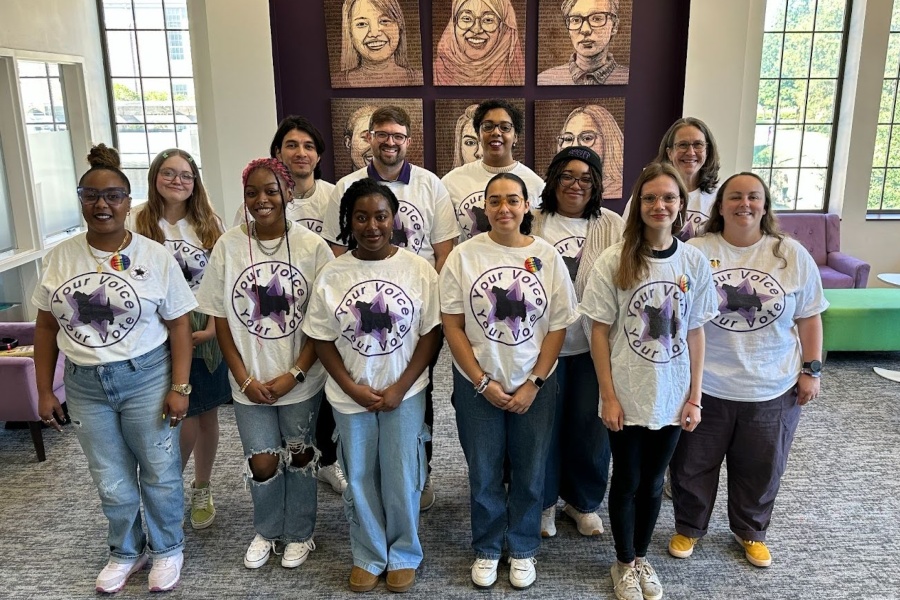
pixel 246 383
pixel 482 384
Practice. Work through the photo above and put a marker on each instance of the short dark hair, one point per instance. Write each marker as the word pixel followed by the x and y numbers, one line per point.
pixel 528 218
pixel 518 120
pixel 359 189
pixel 390 114
pixel 549 202
pixel 290 123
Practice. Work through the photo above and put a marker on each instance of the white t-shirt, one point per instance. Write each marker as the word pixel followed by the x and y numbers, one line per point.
pixel 511 299
pixel 185 245
pixel 309 212
pixel 375 312
pixel 651 369
pixel 567 235
pixel 752 347
pixel 265 303
pixel 466 187
pixel 113 315
pixel 425 217
pixel 698 208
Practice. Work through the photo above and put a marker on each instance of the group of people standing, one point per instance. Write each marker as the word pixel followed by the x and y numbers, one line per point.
pixel 576 336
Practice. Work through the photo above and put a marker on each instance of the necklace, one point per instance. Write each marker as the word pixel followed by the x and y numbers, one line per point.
pixel 265 249
pixel 391 253
pixel 118 262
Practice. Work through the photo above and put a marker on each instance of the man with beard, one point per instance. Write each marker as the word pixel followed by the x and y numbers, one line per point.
pixel 425 223
pixel 591 24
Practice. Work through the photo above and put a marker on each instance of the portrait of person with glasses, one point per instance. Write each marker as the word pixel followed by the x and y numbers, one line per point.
pixel 594 127
pixel 374 46
pixel 592 25
pixel 481 45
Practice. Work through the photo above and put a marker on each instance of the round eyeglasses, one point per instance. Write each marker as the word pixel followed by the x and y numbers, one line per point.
pixel 465 20
pixel 594 20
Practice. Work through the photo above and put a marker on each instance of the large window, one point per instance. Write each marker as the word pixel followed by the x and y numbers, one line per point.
pixel 803 51
pixel 884 188
pixel 151 80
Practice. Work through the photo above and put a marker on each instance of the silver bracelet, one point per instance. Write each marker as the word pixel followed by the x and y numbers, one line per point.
pixel 482 385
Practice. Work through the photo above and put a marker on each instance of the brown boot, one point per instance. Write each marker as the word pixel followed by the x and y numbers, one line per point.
pixel 361 580
pixel 401 579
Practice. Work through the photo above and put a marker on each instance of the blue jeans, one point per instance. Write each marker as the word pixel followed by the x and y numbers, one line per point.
pixel 578 461
pixel 383 456
pixel 133 455
pixel 488 435
pixel 284 506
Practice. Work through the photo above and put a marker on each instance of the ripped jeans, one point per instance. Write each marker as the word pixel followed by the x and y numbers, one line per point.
pixel 284 506
pixel 133 454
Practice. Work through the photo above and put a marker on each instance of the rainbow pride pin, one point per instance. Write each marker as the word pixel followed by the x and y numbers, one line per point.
pixel 533 264
pixel 684 284
pixel 120 262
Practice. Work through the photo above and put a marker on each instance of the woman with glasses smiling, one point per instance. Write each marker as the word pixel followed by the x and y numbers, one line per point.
pixel 498 124
pixel 178 214
pixel 578 461
pixel 594 127
pixel 117 305
pixel 480 45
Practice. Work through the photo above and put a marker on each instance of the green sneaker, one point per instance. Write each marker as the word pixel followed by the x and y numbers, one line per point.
pixel 202 510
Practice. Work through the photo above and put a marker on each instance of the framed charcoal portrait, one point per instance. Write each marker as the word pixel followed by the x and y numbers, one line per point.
pixel 584 42
pixel 478 42
pixel 457 142
pixel 374 43
pixel 596 123
pixel 350 128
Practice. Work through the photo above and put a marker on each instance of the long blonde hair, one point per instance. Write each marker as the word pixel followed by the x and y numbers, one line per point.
pixel 634 263
pixel 200 213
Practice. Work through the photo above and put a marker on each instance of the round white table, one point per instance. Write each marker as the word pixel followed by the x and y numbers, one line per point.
pixel 892 279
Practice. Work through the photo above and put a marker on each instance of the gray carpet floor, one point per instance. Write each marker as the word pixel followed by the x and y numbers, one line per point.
pixel 835 533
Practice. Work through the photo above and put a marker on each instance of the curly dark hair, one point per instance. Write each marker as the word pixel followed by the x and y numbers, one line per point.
pixel 518 120
pixel 528 218
pixel 103 158
pixel 549 203
pixel 360 189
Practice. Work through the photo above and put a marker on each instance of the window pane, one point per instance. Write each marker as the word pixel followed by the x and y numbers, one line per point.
pixel 7 234
pixel 188 139
pixel 127 100
pixel 771 55
pixel 57 100
pixel 888 92
pixel 893 56
pixel 826 58
pixel 882 139
pixel 800 15
pixel 36 100
pixel 176 14
pixel 783 188
pixel 153 53
pixel 876 184
pixel 149 14
pixel 161 137
pixel 118 15
pixel 830 15
pixel 158 101
pixel 820 102
pixel 792 100
pixel 787 147
pixel 894 148
pixel 133 145
pixel 796 55
pixel 29 68
pixel 775 15
pixel 816 146
pixel 768 101
pixel 180 53
pixel 122 52
pixel 138 180
pixel 811 189
pixel 891 200
pixel 762 146
pixel 53 171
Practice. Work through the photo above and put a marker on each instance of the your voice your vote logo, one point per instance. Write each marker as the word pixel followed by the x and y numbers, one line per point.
pixel 269 298
pixel 508 301
pixel 375 317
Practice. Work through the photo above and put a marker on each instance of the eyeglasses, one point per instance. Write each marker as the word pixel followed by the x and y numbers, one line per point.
pixel 668 199
pixel 585 138
pixel 567 180
pixel 490 126
pixel 113 196
pixel 171 174
pixel 465 20
pixel 383 136
pixel 510 201
pixel 594 20
pixel 685 146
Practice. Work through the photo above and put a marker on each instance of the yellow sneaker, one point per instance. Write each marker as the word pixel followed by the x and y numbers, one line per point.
pixel 203 511
pixel 756 553
pixel 682 546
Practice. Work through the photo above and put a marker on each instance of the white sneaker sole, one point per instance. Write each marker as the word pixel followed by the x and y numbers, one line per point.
pixel 203 524
pixel 140 564
pixel 294 563
pixel 255 564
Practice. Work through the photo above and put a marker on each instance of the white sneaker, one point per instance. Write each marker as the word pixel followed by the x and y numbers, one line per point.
pixel 626 583
pixel 333 475
pixel 427 499
pixel 166 573
pixel 115 575
pixel 258 553
pixel 548 522
pixel 521 572
pixel 587 523
pixel 296 553
pixel 484 572
pixel 651 588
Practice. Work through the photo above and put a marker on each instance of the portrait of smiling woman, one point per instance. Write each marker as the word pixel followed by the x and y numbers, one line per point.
pixel 482 43
pixel 374 45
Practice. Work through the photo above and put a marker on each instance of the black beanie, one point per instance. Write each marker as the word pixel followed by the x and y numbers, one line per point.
pixel 582 153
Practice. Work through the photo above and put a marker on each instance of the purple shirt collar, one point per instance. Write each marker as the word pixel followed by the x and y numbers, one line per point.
pixel 405 173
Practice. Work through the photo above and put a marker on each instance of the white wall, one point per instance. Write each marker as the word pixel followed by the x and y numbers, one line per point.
pixel 721 85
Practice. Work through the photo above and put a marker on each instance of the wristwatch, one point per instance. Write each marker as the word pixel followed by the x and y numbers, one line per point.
pixel 182 388
pixel 812 368
pixel 539 382
pixel 298 374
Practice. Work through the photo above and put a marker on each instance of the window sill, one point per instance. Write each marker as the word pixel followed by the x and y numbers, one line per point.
pixel 883 216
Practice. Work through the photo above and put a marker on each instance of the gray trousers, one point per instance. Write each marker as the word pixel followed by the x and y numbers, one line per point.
pixel 755 438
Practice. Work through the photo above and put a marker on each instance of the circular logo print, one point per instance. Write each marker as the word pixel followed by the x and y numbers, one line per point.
pixel 748 299
pixel 470 215
pixel 96 310
pixel 508 301
pixel 191 260
pixel 692 226
pixel 570 249
pixel 269 298
pixel 375 316
pixel 654 322
pixel 314 225
pixel 409 228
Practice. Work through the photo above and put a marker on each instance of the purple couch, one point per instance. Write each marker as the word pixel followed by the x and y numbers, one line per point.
pixel 18 390
pixel 820 233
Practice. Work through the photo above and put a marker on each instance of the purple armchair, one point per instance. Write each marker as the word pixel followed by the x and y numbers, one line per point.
pixel 18 392
pixel 821 234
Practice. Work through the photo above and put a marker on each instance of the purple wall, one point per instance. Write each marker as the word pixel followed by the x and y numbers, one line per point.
pixel 654 94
